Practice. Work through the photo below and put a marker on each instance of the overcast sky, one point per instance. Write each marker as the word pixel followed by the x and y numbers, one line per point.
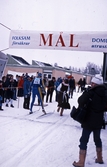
pixel 53 15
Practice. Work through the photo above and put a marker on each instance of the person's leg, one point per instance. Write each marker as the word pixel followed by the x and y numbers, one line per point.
pixel 78 88
pixel 38 102
pixel 47 95
pixel 51 94
pixel 14 94
pixel 69 92
pixel 83 147
pixel 58 109
pixel 24 103
pixel 61 113
pixel 1 103
pixel 72 92
pixel 43 97
pixel 28 102
pixel 39 94
pixel 33 100
pixel 96 137
pixel 84 139
pixel 11 102
pixel 7 101
pixel 98 143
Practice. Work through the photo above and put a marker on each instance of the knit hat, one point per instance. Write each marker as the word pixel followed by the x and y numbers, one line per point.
pixel 97 79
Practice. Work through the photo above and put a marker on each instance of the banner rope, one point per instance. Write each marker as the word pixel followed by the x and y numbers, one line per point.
pixel 8 29
pixel 4 49
pixel 5 26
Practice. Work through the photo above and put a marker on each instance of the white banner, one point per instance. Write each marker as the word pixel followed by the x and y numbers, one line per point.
pixel 76 41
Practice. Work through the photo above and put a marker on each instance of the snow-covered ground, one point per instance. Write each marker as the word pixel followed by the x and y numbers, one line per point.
pixel 46 141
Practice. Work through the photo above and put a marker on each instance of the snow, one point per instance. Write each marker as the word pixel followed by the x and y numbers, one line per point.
pixel 43 141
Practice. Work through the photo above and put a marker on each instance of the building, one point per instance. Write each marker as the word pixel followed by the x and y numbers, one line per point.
pixel 17 65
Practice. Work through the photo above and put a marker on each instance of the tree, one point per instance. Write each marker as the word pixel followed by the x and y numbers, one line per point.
pixel 92 68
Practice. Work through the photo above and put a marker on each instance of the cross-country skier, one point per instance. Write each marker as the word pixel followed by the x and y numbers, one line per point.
pixel 37 83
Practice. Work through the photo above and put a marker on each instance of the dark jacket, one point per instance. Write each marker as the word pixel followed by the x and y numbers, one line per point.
pixel 63 98
pixel 80 82
pixel 51 85
pixel 95 111
pixel 9 87
pixel 72 83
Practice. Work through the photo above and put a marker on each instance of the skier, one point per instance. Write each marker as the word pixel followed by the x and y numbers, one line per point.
pixel 37 83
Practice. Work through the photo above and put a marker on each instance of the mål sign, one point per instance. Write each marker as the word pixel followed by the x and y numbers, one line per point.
pixel 76 41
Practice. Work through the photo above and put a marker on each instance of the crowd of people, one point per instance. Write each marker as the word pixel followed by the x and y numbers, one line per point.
pixel 26 86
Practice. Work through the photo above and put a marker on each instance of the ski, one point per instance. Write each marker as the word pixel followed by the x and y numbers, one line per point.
pixel 45 105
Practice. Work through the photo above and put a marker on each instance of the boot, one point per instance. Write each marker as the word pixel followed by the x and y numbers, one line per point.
pixel 61 113
pixel 99 156
pixel 81 162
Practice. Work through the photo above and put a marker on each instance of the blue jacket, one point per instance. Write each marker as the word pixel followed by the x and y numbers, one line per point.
pixel 26 87
pixel 37 82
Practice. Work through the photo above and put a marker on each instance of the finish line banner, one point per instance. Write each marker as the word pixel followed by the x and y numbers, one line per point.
pixel 78 41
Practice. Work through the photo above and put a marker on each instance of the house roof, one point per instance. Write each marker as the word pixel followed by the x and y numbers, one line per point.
pixel 41 64
pixel 20 60
pixel 16 60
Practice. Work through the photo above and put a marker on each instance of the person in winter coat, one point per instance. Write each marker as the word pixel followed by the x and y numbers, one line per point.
pixel 9 87
pixel 63 98
pixel 3 86
pixel 15 89
pixel 94 119
pixel 71 86
pixel 50 89
pixel 20 86
pixel 26 92
pixel 37 83
pixel 80 83
pixel 83 84
pixel 57 83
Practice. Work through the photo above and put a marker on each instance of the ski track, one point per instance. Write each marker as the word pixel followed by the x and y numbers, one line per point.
pixel 23 152
pixel 36 141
